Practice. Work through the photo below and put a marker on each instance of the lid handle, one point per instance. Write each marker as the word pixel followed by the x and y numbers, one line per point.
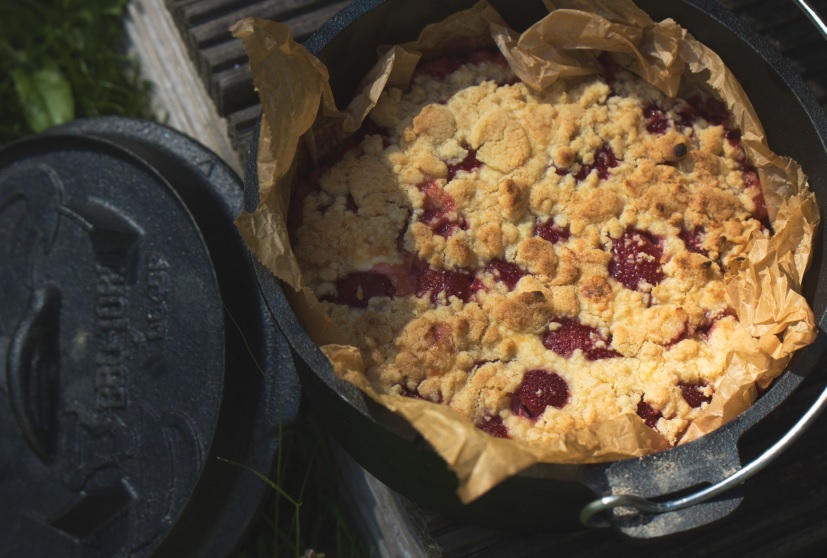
pixel 32 367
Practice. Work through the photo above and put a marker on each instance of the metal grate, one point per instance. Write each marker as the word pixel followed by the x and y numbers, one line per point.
pixel 222 64
pixel 220 59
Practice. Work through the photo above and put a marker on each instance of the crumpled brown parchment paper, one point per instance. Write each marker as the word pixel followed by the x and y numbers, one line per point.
pixel 764 289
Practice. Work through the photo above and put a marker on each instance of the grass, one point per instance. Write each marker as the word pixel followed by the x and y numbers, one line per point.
pixel 303 515
pixel 65 59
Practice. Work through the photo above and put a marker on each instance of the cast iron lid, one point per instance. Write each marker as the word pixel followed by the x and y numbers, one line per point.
pixel 136 348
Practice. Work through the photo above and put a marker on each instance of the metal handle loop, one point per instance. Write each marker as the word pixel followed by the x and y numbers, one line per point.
pixel 590 515
pixel 813 16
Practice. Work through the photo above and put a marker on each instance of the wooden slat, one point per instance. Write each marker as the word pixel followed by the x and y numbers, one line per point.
pixel 179 98
pixel 220 59
pixel 243 122
pixel 233 89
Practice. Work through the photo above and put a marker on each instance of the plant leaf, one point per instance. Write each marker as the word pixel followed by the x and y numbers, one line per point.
pixel 46 97
pixel 113 7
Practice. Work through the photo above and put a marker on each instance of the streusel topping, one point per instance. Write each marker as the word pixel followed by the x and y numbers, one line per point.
pixel 538 261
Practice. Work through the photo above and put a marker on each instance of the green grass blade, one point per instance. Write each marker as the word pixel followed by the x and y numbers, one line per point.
pixel 264 478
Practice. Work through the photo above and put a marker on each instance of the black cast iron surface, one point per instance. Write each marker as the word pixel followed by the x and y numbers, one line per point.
pixel 100 440
pixel 137 348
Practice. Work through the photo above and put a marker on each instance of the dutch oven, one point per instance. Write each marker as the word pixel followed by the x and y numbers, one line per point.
pixel 697 476
pixel 137 348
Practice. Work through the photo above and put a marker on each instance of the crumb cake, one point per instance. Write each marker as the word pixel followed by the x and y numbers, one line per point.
pixel 537 261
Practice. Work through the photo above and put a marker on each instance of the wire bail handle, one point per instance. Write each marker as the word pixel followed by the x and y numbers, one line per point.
pixel 592 515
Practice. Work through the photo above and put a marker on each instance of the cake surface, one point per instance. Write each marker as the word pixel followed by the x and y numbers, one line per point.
pixel 538 261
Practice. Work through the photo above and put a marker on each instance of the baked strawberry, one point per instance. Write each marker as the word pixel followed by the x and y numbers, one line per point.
pixel 649 414
pixel 468 164
pixel 506 272
pixel 438 211
pixel 636 259
pixel 541 389
pixel 693 395
pixel 551 232
pixel 358 287
pixel 570 335
pixel 494 426
pixel 452 283
pixel 656 120
pixel 604 159
pixel 693 239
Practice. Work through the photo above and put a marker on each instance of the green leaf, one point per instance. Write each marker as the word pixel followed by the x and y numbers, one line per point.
pixel 113 7
pixel 46 97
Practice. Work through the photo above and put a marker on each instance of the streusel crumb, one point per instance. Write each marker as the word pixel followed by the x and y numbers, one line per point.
pixel 538 261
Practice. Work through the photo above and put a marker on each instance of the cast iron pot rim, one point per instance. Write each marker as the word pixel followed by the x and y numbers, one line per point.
pixel 785 385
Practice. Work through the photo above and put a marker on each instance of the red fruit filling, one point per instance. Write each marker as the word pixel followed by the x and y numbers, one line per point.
pixel 649 414
pixel 760 211
pixel 711 110
pixel 656 121
pixel 478 285
pixel 493 426
pixel 357 288
pixel 507 272
pixel 551 232
pixel 750 174
pixel 518 409
pixel 635 258
pixel 437 209
pixel 751 181
pixel 706 329
pixel 693 395
pixel 407 392
pixel 694 240
pixel 452 283
pixel 572 335
pixel 608 66
pixel 541 389
pixel 468 164
pixel 604 159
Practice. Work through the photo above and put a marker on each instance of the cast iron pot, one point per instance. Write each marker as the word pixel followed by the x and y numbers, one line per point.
pixel 552 496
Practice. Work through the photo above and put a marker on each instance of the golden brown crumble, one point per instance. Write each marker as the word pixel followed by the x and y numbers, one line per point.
pixel 481 230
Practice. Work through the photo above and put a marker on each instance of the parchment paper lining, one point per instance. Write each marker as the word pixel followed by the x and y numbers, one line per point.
pixel 764 289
